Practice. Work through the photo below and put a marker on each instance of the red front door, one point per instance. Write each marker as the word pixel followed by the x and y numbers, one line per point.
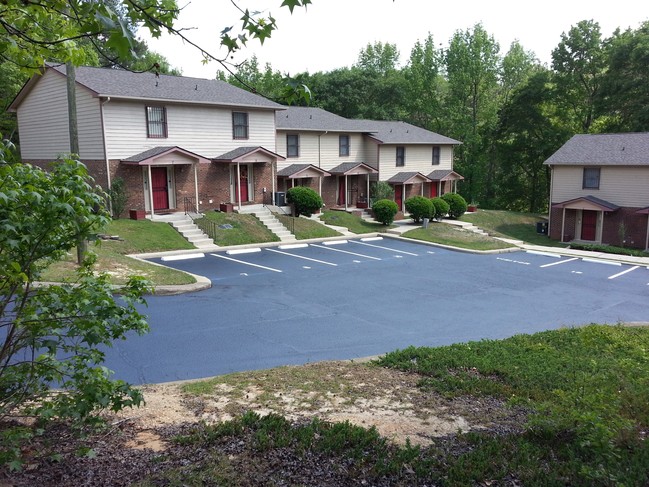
pixel 159 188
pixel 341 190
pixel 398 196
pixel 588 225
pixel 243 181
pixel 433 189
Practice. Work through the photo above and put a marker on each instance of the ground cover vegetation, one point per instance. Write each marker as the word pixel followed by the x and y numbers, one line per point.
pixel 304 228
pixel 354 224
pixel 453 236
pixel 234 228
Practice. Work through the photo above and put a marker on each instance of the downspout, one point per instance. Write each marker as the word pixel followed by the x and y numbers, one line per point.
pixel 103 138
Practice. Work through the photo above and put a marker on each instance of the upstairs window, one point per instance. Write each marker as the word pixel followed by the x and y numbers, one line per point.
pixel 401 156
pixel 436 152
pixel 292 145
pixel 156 122
pixel 239 125
pixel 343 145
pixel 591 178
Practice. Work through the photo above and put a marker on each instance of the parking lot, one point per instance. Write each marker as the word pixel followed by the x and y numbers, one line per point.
pixel 354 298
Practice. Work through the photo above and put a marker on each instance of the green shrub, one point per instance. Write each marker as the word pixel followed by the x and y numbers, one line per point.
pixel 384 211
pixel 305 201
pixel 419 208
pixel 118 197
pixel 457 204
pixel 381 191
pixel 440 208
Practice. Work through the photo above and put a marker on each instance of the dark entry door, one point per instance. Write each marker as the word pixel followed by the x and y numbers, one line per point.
pixel 243 181
pixel 160 188
pixel 398 196
pixel 588 225
pixel 341 190
pixel 433 189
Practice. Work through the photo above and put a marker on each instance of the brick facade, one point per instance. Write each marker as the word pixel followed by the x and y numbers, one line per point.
pixel 621 228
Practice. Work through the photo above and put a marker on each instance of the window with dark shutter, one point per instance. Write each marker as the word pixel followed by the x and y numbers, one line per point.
pixel 292 145
pixel 239 125
pixel 156 122
pixel 401 156
pixel 591 178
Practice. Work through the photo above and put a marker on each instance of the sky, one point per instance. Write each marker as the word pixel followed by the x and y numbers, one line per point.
pixel 329 34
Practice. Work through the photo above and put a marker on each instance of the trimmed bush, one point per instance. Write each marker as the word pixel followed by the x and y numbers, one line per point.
pixel 305 201
pixel 419 208
pixel 440 208
pixel 381 191
pixel 385 211
pixel 118 197
pixel 457 204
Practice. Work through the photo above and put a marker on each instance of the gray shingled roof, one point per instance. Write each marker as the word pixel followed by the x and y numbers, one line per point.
pixel 155 151
pixel 443 174
pixel 405 177
pixel 348 166
pixel 317 119
pixel 592 199
pixel 630 149
pixel 119 83
pixel 242 151
pixel 296 168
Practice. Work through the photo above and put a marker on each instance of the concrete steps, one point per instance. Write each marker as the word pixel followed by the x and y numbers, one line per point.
pixel 184 225
pixel 266 217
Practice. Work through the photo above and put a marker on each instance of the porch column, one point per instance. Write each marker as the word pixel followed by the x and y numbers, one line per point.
pixel 345 192
pixel 239 184
pixel 646 245
pixel 150 190
pixel 272 182
pixel 422 189
pixel 563 223
pixel 196 185
pixel 320 186
pixel 367 194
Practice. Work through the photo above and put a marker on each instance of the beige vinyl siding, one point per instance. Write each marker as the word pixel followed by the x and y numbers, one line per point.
pixel 43 121
pixel 204 130
pixel 322 149
pixel 623 186
pixel 419 158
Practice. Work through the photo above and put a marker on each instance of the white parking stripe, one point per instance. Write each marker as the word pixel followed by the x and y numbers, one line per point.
pixel 246 263
pixel 599 261
pixel 302 257
pixel 345 252
pixel 546 254
pixel 624 272
pixel 560 262
pixel 384 248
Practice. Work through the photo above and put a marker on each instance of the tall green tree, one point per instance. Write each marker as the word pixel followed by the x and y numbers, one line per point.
pixel 473 67
pixel 579 64
pixel 248 75
pixel 379 58
pixel 425 86
pixel 623 104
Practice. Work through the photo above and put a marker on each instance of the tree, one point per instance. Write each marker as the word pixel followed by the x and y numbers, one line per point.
pixel 472 65
pixel 53 335
pixel 379 58
pixel 579 63
pixel 623 102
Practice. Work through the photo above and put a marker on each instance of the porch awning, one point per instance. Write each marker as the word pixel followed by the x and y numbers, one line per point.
pixel 444 175
pixel 165 156
pixel 408 178
pixel 587 203
pixel 352 168
pixel 296 171
pixel 248 155
pixel 644 211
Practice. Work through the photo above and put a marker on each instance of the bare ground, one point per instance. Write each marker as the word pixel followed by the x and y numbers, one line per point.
pixel 362 394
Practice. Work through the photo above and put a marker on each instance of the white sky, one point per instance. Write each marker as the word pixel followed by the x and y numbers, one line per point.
pixel 329 34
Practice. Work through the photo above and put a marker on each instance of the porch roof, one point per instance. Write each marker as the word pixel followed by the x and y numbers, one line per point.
pixel 240 154
pixel 644 211
pixel 298 170
pixel 444 175
pixel 158 156
pixel 408 178
pixel 351 168
pixel 587 203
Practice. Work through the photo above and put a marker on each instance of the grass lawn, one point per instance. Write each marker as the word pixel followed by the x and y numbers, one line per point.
pixel 511 224
pixel 303 228
pixel 354 224
pixel 245 229
pixel 445 234
pixel 137 236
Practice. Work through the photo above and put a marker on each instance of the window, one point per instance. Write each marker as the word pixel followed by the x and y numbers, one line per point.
pixel 436 152
pixel 292 145
pixel 401 156
pixel 239 125
pixel 156 122
pixel 343 145
pixel 591 178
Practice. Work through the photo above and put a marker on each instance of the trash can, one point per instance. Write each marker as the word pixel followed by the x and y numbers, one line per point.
pixel 425 224
pixel 542 227
pixel 280 198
